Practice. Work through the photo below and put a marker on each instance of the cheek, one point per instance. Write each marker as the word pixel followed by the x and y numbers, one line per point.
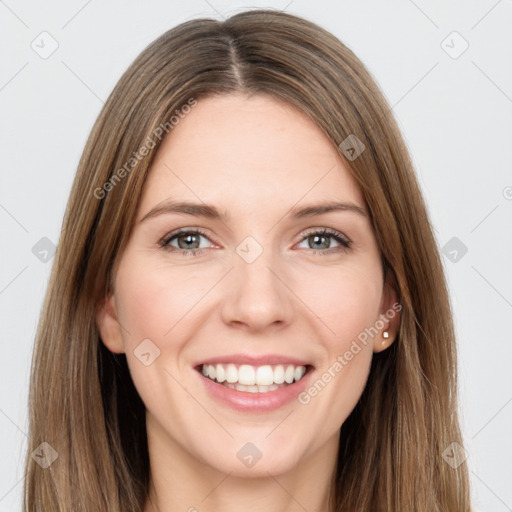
pixel 154 306
pixel 158 307
pixel 347 305
pixel 346 301
pixel 155 300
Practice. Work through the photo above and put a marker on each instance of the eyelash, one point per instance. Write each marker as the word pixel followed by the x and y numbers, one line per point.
pixel 345 244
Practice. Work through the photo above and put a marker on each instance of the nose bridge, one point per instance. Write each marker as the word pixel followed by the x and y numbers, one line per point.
pixel 259 298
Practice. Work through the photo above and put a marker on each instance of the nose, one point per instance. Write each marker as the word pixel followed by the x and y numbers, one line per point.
pixel 256 295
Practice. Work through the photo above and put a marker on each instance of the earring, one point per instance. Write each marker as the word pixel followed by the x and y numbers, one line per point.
pixel 385 335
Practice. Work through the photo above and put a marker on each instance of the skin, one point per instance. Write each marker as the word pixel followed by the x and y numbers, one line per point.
pixel 254 158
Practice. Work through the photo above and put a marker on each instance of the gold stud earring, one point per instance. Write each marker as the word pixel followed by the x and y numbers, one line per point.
pixel 385 335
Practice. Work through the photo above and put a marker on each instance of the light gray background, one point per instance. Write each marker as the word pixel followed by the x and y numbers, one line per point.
pixel 455 114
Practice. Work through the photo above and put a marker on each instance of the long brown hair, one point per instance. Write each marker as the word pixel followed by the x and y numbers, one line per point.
pixel 82 400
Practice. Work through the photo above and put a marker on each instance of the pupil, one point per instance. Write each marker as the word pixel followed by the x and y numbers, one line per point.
pixel 188 241
pixel 316 238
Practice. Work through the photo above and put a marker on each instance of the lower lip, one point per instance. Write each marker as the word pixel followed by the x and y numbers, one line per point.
pixel 255 402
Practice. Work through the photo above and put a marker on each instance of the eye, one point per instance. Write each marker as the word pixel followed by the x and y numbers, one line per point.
pixel 187 241
pixel 320 241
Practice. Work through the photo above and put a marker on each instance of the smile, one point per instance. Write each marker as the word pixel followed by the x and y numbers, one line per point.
pixel 254 384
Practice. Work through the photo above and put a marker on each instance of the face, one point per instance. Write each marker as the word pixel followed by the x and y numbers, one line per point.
pixel 252 284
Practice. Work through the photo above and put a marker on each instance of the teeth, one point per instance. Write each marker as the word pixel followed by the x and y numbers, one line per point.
pixel 254 389
pixel 299 373
pixel 279 374
pixel 247 375
pixel 289 374
pixel 231 374
pixel 220 373
pixel 259 379
pixel 265 375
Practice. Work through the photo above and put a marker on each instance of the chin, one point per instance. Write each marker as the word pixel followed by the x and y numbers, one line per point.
pixel 247 460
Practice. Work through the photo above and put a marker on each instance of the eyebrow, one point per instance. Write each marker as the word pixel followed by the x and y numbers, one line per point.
pixel 212 212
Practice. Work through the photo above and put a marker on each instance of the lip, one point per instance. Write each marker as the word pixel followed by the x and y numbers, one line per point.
pixel 245 401
pixel 253 360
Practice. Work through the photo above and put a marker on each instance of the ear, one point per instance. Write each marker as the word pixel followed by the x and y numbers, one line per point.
pixel 109 326
pixel 389 318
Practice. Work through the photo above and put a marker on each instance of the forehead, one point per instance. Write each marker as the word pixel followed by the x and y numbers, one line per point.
pixel 248 152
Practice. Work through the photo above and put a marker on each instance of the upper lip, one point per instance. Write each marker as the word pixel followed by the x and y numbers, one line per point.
pixel 254 360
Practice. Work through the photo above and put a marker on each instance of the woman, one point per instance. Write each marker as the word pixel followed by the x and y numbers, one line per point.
pixel 247 305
